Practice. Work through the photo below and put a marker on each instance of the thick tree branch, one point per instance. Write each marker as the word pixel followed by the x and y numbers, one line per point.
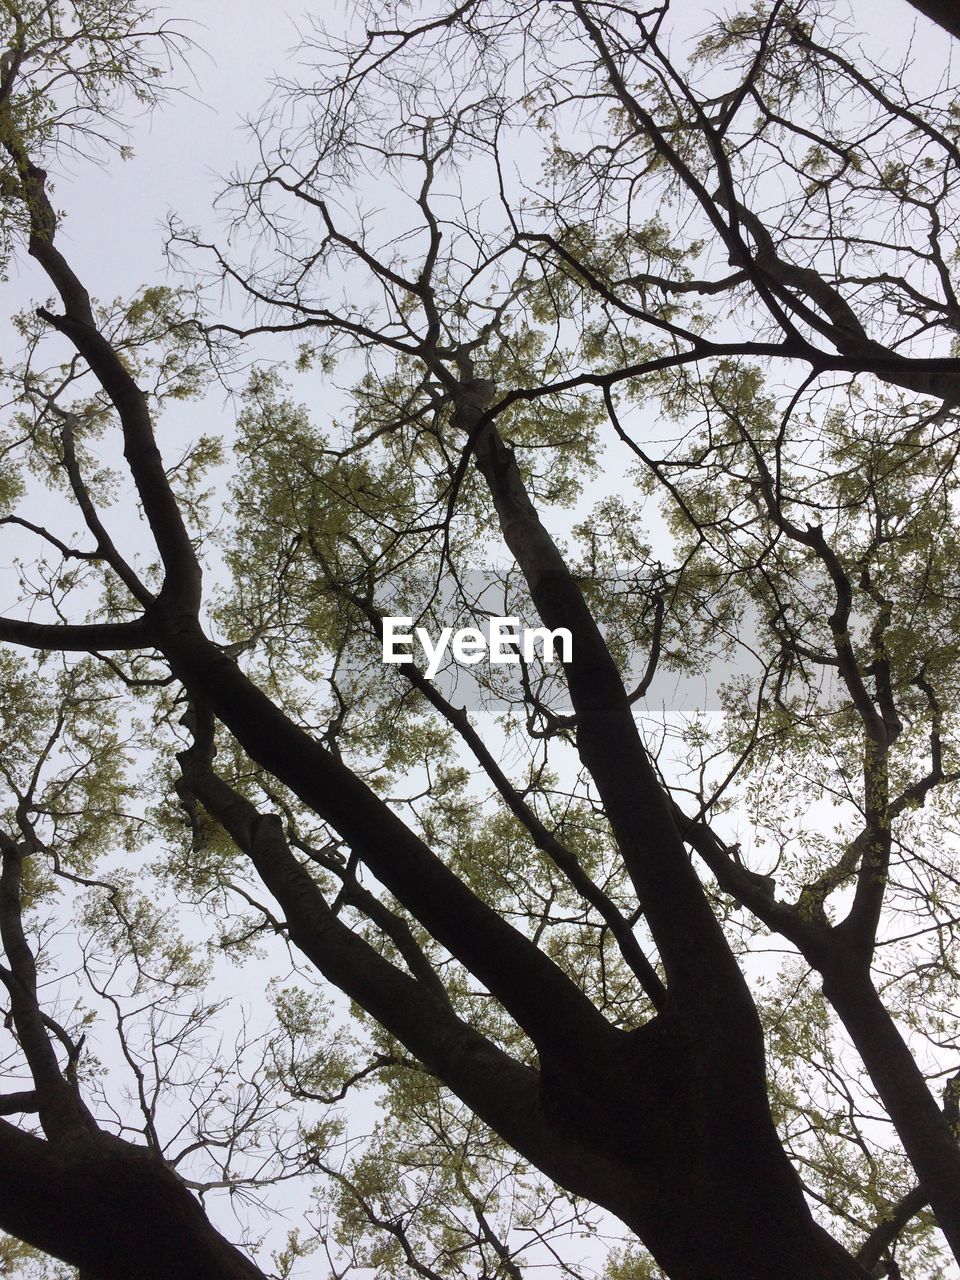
pixel 84 1195
pixel 115 1211
pixel 943 12
pixel 183 576
pixel 81 638
pixel 699 966
pixel 888 1229
pixel 23 1103
pixel 503 1092
pixel 392 925
pixel 544 1001
pixel 542 837
pixel 62 1113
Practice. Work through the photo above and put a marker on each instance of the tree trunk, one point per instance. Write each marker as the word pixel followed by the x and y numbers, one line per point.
pixel 946 13
pixel 112 1210
pixel 667 1127
pixel 926 1136
pixel 706 1184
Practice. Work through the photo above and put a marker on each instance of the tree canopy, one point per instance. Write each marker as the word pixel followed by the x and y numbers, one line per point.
pixel 632 321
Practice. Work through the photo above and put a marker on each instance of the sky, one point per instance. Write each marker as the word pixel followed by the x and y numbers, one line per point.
pixel 185 148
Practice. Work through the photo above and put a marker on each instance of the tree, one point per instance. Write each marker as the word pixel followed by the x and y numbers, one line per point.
pixel 546 912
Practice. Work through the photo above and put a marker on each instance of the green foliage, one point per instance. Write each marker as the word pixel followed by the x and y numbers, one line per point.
pixel 65 759
pixel 25 1263
pixel 631 1263
pixel 72 70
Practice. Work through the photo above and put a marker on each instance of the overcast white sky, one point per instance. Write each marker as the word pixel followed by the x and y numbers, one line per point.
pixel 113 228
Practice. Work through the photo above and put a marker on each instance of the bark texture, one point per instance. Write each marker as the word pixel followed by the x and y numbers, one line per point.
pixel 945 13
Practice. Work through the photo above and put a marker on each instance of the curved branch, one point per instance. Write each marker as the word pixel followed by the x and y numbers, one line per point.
pixel 503 1092
pixel 543 1000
